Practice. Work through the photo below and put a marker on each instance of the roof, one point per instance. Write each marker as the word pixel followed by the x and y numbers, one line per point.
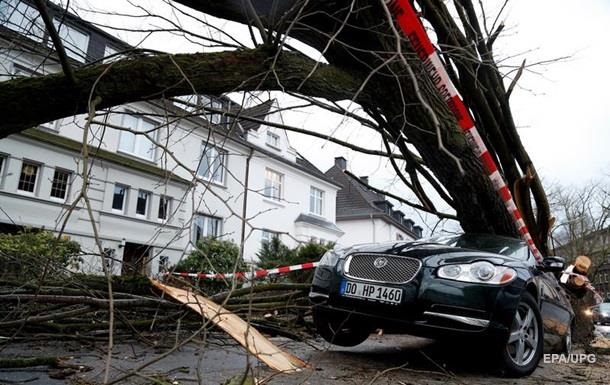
pixel 73 145
pixel 259 112
pixel 355 201
pixel 316 221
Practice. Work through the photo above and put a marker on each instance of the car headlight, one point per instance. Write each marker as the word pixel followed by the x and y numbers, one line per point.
pixel 588 312
pixel 329 258
pixel 478 272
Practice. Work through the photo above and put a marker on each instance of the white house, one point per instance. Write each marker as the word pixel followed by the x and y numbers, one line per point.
pixel 366 216
pixel 159 180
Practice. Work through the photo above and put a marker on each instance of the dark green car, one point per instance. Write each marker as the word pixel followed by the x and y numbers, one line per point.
pixel 479 287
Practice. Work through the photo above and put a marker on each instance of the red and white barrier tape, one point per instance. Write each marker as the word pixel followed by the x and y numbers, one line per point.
pixel 412 27
pixel 250 275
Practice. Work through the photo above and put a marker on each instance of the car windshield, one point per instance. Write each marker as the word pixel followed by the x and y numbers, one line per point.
pixel 604 307
pixel 494 244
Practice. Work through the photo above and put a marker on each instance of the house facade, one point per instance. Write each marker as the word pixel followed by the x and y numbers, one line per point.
pixel 159 176
pixel 366 216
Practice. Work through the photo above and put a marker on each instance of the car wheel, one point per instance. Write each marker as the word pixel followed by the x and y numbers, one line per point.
pixel 566 343
pixel 338 329
pixel 523 348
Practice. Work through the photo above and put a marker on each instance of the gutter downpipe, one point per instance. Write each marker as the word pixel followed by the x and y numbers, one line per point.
pixel 245 205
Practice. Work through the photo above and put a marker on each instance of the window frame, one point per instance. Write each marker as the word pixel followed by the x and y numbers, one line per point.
pixel 36 176
pixel 268 235
pixel 313 199
pixel 3 164
pixel 269 188
pixel 64 31
pixel 31 24
pixel 163 264
pixel 148 195
pixel 220 153
pixel 67 187
pixel 207 219
pixel 214 117
pixel 168 207
pixel 122 210
pixel 276 142
pixel 110 54
pixel 137 138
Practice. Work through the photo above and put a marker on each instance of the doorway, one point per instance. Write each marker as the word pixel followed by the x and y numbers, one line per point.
pixel 135 259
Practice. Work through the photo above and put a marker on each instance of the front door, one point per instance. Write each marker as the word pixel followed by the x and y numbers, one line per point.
pixel 135 259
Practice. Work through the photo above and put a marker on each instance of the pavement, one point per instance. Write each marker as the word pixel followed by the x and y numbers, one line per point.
pixel 388 359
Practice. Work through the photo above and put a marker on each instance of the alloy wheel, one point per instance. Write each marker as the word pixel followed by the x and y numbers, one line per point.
pixel 523 340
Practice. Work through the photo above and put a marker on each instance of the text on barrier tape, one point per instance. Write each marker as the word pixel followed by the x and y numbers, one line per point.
pixel 411 26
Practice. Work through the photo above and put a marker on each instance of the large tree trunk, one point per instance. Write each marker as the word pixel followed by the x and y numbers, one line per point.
pixel 359 45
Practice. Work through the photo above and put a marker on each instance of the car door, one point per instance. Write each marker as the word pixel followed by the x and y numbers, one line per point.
pixel 555 310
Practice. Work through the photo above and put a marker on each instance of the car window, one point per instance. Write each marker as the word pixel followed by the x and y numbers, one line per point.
pixel 510 247
pixel 604 307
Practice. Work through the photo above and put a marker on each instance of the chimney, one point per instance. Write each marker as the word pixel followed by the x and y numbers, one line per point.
pixel 341 162
pixel 418 231
pixel 365 179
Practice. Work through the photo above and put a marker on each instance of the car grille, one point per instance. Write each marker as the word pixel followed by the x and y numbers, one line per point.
pixel 396 270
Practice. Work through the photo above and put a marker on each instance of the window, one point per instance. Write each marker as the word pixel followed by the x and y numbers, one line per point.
pixel 164 207
pixel 206 226
pixel 118 199
pixel 268 235
pixel 212 116
pixel 27 179
pixel 316 201
pixel 22 18
pixel 110 54
pixel 60 184
pixel 163 263
pixel 2 163
pixel 75 42
pixel 211 166
pixel 138 145
pixel 20 71
pixel 273 184
pixel 273 139
pixel 142 203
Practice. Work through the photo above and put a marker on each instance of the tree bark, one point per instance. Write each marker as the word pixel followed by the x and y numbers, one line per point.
pixel 363 43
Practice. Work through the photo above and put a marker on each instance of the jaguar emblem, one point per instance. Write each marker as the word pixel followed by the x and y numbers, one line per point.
pixel 380 262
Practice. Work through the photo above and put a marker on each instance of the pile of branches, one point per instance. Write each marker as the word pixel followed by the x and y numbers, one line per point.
pixel 78 308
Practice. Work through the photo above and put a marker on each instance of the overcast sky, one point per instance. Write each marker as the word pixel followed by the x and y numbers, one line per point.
pixel 561 109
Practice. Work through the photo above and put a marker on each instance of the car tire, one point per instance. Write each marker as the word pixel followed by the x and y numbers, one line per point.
pixel 337 328
pixel 523 348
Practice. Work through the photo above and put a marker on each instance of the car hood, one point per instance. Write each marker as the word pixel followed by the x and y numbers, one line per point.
pixel 432 254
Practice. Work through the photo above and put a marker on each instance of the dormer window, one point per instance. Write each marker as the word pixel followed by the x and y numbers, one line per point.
pixel 273 139
pixel 22 18
pixel 75 42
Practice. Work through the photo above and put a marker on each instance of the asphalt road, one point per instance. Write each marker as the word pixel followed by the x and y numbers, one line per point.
pixel 386 359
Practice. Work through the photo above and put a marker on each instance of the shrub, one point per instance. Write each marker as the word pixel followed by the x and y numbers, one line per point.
pixel 212 256
pixel 275 253
pixel 27 254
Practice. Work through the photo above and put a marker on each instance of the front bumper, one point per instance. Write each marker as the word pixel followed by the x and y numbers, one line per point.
pixel 430 306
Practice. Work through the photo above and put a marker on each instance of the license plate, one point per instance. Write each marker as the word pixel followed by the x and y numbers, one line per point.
pixel 371 292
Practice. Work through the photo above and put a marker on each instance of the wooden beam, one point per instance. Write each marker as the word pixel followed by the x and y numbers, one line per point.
pixel 236 327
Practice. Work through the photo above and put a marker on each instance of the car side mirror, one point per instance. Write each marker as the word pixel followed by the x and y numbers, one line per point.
pixel 553 264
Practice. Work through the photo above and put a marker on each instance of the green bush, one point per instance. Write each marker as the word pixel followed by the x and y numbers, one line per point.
pixel 212 256
pixel 27 254
pixel 275 253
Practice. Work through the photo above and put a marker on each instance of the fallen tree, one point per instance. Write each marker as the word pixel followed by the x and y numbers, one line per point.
pixel 80 304
pixel 368 63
